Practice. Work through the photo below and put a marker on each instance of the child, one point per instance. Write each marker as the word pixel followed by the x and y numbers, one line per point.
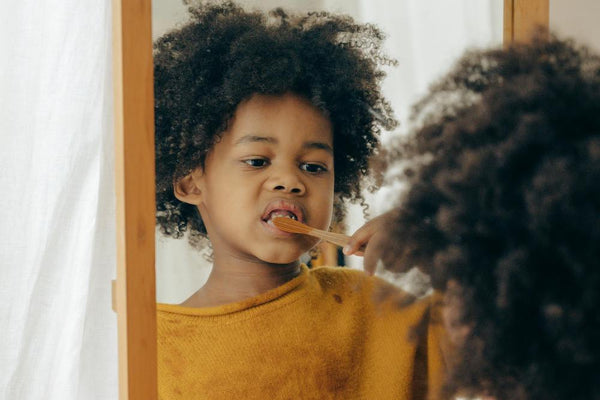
pixel 504 211
pixel 258 117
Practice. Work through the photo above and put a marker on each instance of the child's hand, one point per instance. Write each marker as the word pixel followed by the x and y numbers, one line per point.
pixel 368 241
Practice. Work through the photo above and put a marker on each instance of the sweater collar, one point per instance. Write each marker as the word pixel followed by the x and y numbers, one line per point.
pixel 286 289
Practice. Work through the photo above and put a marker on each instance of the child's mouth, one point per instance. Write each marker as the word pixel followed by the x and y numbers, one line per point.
pixel 282 209
pixel 280 213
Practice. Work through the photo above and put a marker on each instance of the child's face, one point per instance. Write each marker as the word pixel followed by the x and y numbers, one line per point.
pixel 276 158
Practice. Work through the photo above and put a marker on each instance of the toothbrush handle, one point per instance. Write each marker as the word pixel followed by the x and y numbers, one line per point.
pixel 336 238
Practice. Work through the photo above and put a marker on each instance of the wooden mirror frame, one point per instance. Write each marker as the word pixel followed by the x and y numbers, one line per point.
pixel 523 17
pixel 134 291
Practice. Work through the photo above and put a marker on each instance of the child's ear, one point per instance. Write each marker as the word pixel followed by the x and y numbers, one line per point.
pixel 189 188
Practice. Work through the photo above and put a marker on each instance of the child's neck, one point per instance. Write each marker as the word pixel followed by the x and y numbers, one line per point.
pixel 230 282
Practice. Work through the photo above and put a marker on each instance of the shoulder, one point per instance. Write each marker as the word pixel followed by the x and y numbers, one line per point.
pixel 370 290
pixel 352 280
pixel 389 312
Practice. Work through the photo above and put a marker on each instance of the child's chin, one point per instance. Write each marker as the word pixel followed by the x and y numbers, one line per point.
pixel 285 253
pixel 279 258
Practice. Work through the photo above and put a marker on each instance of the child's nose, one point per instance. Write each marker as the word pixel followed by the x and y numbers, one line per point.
pixel 298 189
pixel 287 182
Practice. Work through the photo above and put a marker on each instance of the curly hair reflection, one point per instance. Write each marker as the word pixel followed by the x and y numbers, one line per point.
pixel 503 210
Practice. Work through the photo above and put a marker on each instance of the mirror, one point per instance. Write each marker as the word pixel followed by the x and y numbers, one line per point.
pixel 425 37
pixel 413 55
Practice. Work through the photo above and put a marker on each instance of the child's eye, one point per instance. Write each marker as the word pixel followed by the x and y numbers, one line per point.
pixel 256 162
pixel 313 168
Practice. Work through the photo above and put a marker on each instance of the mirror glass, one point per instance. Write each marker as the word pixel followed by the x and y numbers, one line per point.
pixel 424 36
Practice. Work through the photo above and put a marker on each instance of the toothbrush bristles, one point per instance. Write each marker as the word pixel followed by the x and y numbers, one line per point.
pixel 291 225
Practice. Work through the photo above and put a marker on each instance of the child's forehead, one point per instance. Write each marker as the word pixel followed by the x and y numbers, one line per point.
pixel 267 103
pixel 276 117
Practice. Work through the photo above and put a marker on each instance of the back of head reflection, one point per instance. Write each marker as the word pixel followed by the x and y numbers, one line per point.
pixel 503 210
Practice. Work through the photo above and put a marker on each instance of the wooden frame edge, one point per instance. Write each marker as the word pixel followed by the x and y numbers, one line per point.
pixel 523 18
pixel 508 22
pixel 134 296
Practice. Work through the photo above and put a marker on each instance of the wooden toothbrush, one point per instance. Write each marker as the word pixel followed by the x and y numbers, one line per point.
pixel 293 226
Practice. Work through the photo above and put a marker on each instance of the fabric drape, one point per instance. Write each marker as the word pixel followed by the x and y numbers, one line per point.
pixel 58 336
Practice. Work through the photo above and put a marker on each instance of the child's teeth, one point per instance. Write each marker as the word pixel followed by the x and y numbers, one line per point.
pixel 282 215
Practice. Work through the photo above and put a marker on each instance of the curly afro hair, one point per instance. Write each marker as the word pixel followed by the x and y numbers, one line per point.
pixel 503 203
pixel 225 54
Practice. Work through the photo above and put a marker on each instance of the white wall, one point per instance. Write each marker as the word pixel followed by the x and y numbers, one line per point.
pixel 577 19
pixel 167 14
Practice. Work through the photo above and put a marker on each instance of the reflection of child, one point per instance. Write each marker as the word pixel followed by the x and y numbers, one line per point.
pixel 504 211
pixel 259 117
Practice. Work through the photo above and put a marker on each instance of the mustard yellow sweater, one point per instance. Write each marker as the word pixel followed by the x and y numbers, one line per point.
pixel 330 333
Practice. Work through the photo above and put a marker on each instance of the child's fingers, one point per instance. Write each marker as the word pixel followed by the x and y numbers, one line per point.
pixel 368 241
pixel 357 243
pixel 373 253
pixel 360 239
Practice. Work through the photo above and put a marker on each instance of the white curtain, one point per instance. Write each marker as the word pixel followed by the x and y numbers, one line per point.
pixel 57 234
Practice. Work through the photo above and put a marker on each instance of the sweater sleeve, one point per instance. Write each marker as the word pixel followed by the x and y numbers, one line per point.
pixel 438 348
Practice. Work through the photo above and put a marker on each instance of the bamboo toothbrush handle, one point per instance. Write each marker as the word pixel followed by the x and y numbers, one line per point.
pixel 336 238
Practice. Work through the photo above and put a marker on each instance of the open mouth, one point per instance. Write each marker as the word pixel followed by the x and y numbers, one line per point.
pixel 281 214
pixel 282 209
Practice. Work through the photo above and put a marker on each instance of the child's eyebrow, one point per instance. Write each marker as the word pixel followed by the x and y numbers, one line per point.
pixel 318 145
pixel 255 138
pixel 269 139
